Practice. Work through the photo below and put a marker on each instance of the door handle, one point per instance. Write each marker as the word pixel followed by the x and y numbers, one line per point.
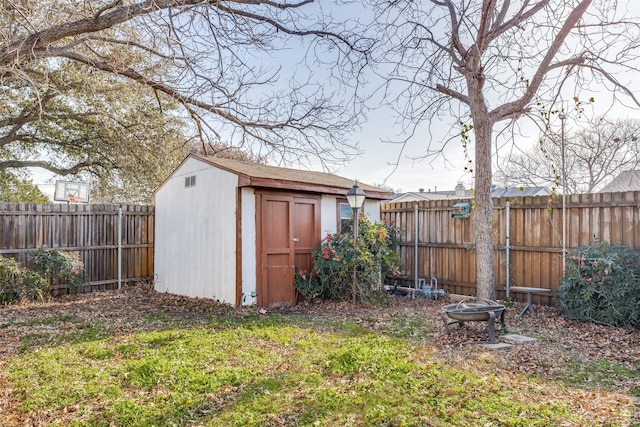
pixel 295 239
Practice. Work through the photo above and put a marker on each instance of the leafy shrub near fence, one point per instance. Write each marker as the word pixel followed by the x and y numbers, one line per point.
pixel 10 277
pixel 58 267
pixel 50 267
pixel 602 284
pixel 334 263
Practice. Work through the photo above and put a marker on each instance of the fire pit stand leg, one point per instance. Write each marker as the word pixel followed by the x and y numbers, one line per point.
pixel 445 320
pixel 492 320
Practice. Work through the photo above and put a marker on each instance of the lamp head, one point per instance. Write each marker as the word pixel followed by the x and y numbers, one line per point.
pixel 355 196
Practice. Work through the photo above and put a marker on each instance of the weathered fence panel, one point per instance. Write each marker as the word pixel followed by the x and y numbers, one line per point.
pixel 91 230
pixel 534 237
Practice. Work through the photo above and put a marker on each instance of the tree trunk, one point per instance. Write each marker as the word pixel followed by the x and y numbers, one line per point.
pixel 483 211
pixel 482 216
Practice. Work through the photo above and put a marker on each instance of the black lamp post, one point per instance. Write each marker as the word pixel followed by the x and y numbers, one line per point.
pixel 355 197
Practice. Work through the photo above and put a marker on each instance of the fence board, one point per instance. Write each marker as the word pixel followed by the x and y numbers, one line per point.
pixel 535 232
pixel 91 230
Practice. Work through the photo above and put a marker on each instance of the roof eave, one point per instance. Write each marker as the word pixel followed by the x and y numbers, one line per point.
pixel 306 187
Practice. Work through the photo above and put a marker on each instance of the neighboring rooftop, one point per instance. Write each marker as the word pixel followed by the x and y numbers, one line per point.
pixel 626 181
pixel 519 191
pixel 416 196
pixel 461 193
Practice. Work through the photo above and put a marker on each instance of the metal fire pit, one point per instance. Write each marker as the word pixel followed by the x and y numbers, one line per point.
pixel 474 311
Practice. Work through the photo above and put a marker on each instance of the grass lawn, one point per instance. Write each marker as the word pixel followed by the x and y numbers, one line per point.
pixel 137 358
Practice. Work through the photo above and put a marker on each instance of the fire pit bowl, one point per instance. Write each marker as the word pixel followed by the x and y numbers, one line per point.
pixel 468 311
pixel 474 311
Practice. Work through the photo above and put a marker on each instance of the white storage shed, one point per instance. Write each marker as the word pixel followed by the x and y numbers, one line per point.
pixel 235 231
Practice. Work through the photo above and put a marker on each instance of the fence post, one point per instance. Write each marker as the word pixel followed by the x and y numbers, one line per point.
pixel 507 247
pixel 415 245
pixel 119 247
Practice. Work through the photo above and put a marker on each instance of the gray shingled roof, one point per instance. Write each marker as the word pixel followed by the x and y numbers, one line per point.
pixel 626 181
pixel 313 178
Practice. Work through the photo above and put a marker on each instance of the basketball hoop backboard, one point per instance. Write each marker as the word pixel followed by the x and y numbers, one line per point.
pixel 71 192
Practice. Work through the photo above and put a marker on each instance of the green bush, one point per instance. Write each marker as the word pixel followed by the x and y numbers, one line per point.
pixel 58 267
pixel 10 276
pixel 50 267
pixel 602 284
pixel 33 287
pixel 334 263
pixel 20 283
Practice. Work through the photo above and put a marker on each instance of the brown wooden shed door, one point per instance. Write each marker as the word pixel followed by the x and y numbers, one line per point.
pixel 289 229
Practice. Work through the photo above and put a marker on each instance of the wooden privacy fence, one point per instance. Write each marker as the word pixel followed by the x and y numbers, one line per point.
pixel 527 253
pixel 92 230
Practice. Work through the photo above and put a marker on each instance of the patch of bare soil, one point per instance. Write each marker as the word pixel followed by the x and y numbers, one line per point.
pixel 564 350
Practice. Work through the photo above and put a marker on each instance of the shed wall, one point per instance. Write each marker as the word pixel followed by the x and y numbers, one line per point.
pixel 195 251
pixel 249 242
pixel 328 215
pixel 372 210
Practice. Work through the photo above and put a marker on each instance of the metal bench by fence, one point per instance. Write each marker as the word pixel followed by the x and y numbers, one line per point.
pixel 529 291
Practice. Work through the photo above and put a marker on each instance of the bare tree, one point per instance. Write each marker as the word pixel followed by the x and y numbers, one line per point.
pixel 594 155
pixel 492 61
pixel 205 55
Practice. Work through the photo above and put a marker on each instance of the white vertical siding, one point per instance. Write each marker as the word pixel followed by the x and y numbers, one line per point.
pixel 249 256
pixel 328 215
pixel 372 210
pixel 195 242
